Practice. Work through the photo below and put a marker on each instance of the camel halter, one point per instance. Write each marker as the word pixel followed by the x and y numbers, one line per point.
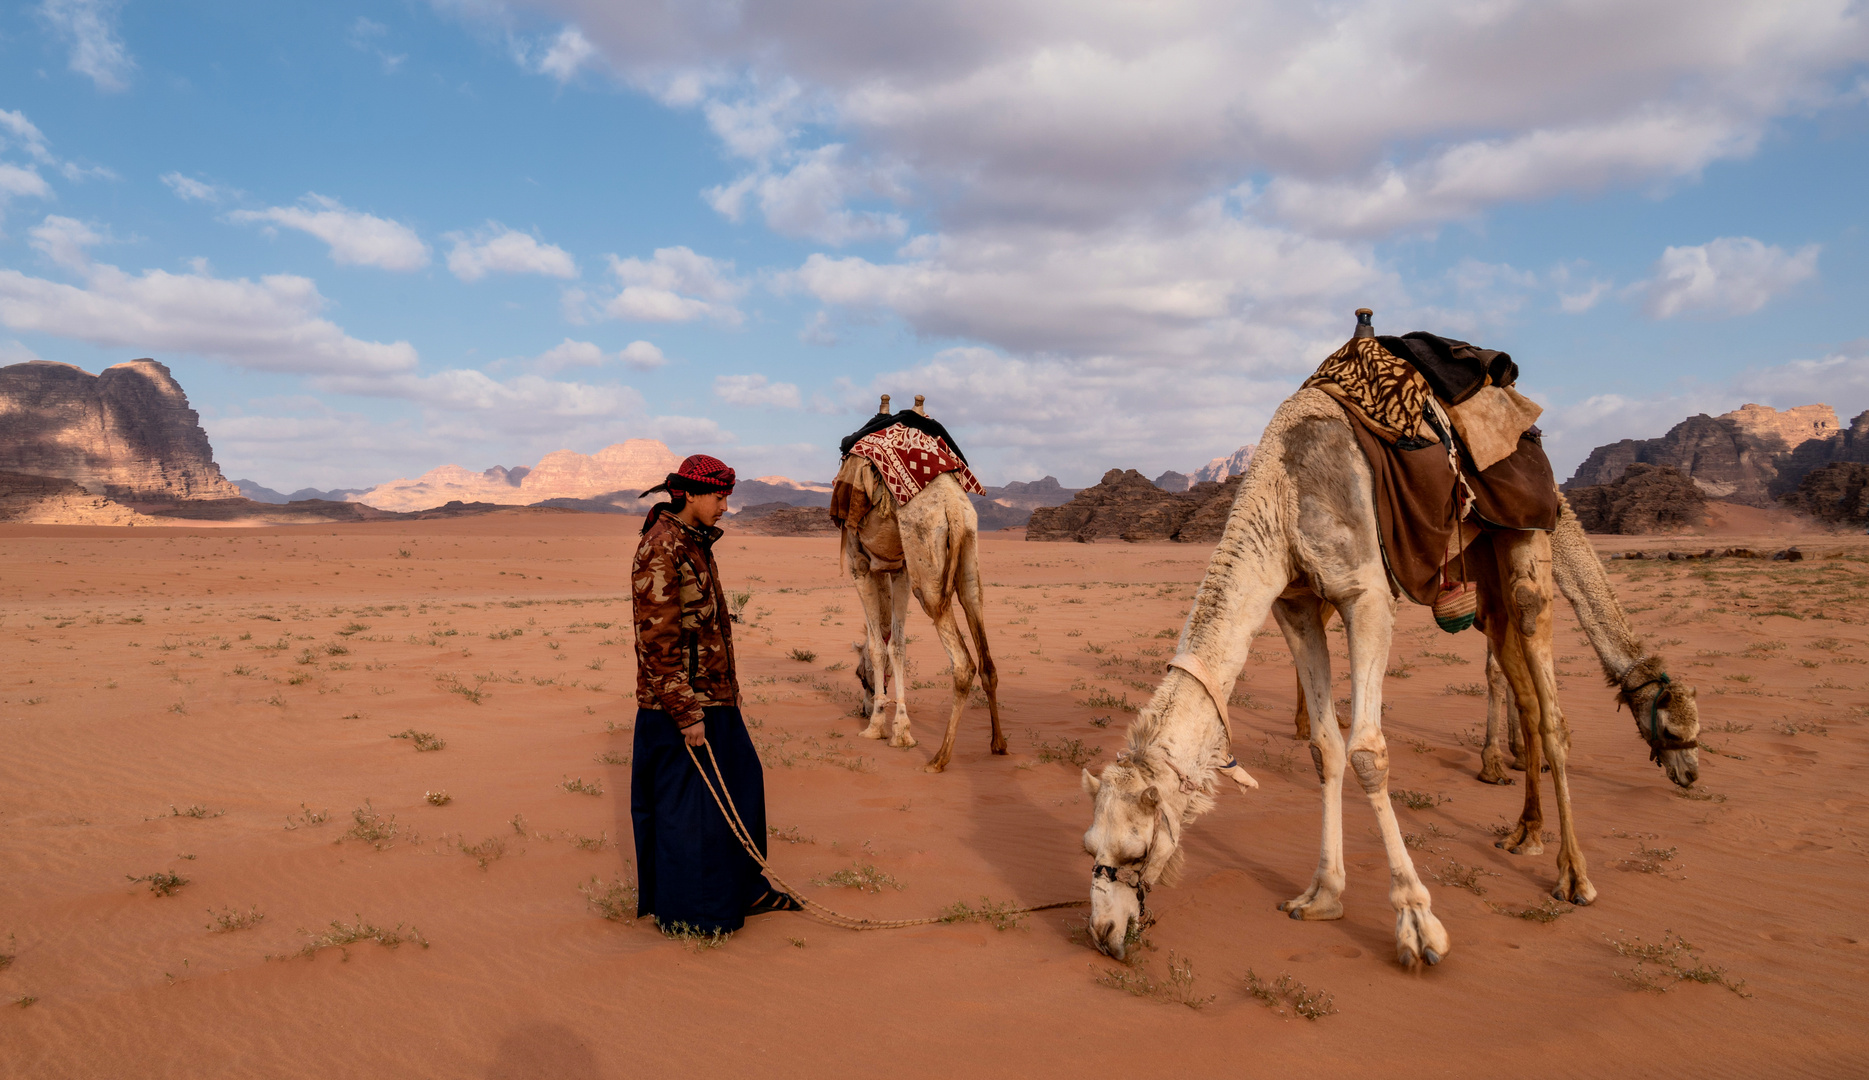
pixel 1196 667
pixel 1653 733
pixel 724 800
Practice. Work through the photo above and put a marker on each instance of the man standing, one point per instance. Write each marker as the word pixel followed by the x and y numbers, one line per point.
pixel 690 869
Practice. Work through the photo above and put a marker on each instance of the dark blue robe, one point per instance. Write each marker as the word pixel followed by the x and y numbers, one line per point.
pixel 689 867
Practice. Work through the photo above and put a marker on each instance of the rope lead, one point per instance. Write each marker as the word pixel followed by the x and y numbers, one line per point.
pixel 724 801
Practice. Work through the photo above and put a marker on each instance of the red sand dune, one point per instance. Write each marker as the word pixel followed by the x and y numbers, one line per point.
pixel 148 669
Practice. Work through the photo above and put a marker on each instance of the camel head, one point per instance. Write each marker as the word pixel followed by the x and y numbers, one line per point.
pixel 1134 838
pixel 866 677
pixel 1668 719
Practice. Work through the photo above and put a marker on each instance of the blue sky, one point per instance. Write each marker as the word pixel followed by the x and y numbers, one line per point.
pixel 377 239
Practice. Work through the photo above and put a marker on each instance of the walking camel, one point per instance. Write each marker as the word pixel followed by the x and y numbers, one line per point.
pixel 1303 533
pixel 1664 708
pixel 928 546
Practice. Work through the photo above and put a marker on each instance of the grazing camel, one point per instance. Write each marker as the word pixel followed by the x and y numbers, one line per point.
pixel 1303 533
pixel 1666 713
pixel 937 536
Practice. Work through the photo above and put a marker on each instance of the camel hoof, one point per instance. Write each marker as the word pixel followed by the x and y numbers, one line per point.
pixel 1431 957
pixel 902 740
pixel 1315 911
pixel 1000 748
pixel 931 767
pixel 871 733
pixel 1495 778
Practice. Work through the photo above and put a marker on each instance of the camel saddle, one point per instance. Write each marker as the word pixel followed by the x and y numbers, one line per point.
pixel 1449 440
pixel 862 503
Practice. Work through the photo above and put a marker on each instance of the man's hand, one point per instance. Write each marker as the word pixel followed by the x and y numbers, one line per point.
pixel 695 734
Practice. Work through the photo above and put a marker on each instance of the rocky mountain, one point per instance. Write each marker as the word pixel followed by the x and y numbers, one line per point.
pixel 1644 499
pixel 612 476
pixel 26 499
pixel 1834 493
pixel 1217 470
pixel 1174 481
pixel 1011 506
pixel 127 433
pixel 1126 505
pixel 1752 455
pixel 252 489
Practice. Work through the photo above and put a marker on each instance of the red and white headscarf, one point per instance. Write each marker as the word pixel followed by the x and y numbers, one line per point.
pixel 698 475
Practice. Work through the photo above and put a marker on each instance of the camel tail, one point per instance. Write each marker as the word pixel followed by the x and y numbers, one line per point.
pixel 976 619
pixel 957 534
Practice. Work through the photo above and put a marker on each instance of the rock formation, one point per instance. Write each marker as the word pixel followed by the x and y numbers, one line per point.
pixel 781 519
pixel 46 500
pixel 253 489
pixel 125 434
pixel 1834 494
pixel 1644 499
pixel 1220 468
pixel 613 475
pixel 1751 455
pixel 1011 506
pixel 1174 481
pixel 1126 505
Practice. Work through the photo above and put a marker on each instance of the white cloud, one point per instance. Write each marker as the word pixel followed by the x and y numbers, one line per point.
pixel 1209 284
pixel 525 402
pixel 569 52
pixel 1579 302
pixel 15 128
pixel 675 285
pixel 15 181
pixel 89 26
pixel 1724 277
pixel 64 240
pixel 495 248
pixel 366 36
pixel 569 353
pixel 808 199
pixel 754 391
pixel 272 324
pixel 188 189
pixel 1364 116
pixel 643 356
pixel 356 238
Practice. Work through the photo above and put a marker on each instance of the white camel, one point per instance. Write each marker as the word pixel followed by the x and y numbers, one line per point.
pixel 928 546
pixel 1303 533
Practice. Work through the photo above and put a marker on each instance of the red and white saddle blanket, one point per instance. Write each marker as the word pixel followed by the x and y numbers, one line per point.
pixel 909 460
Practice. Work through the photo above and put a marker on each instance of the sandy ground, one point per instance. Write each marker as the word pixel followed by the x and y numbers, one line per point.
pixel 191 701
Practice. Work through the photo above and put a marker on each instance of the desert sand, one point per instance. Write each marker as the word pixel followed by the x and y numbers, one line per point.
pixel 191 701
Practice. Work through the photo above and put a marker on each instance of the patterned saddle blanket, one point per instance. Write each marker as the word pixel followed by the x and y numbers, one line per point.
pixel 909 460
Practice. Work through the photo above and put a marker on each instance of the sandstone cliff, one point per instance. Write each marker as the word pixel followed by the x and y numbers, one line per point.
pixel 613 475
pixel 1125 505
pixel 125 434
pixel 1011 506
pixel 1644 499
pixel 1751 455
pixel 46 500
pixel 1835 494
pixel 1220 468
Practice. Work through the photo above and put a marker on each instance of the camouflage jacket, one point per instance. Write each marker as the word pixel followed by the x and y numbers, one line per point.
pixel 684 640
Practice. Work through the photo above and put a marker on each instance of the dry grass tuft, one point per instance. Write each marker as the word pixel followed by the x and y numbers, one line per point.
pixel 1462 876
pixel 1660 967
pixel 423 740
pixel 1288 994
pixel 163 883
pixel 861 875
pixel 1416 800
pixel 1070 752
pixel 437 798
pixel 1176 989
pixel 1548 912
pixel 371 826
pixel 614 900
pixel 579 787
pixel 341 934
pixel 226 922
pixel 1000 915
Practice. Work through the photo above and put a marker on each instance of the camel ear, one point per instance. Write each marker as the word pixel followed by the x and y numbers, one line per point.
pixel 1148 800
pixel 1092 785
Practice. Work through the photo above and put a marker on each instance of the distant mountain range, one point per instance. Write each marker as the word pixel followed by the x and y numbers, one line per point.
pixel 1754 455
pixel 258 493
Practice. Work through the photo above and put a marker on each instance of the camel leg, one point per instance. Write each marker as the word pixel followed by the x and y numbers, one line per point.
pixel 1527 837
pixel 1369 622
pixel 875 619
pixel 1498 704
pixel 1304 634
pixel 1527 560
pixel 963 683
pixel 972 603
pixel 898 600
pixel 1301 719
